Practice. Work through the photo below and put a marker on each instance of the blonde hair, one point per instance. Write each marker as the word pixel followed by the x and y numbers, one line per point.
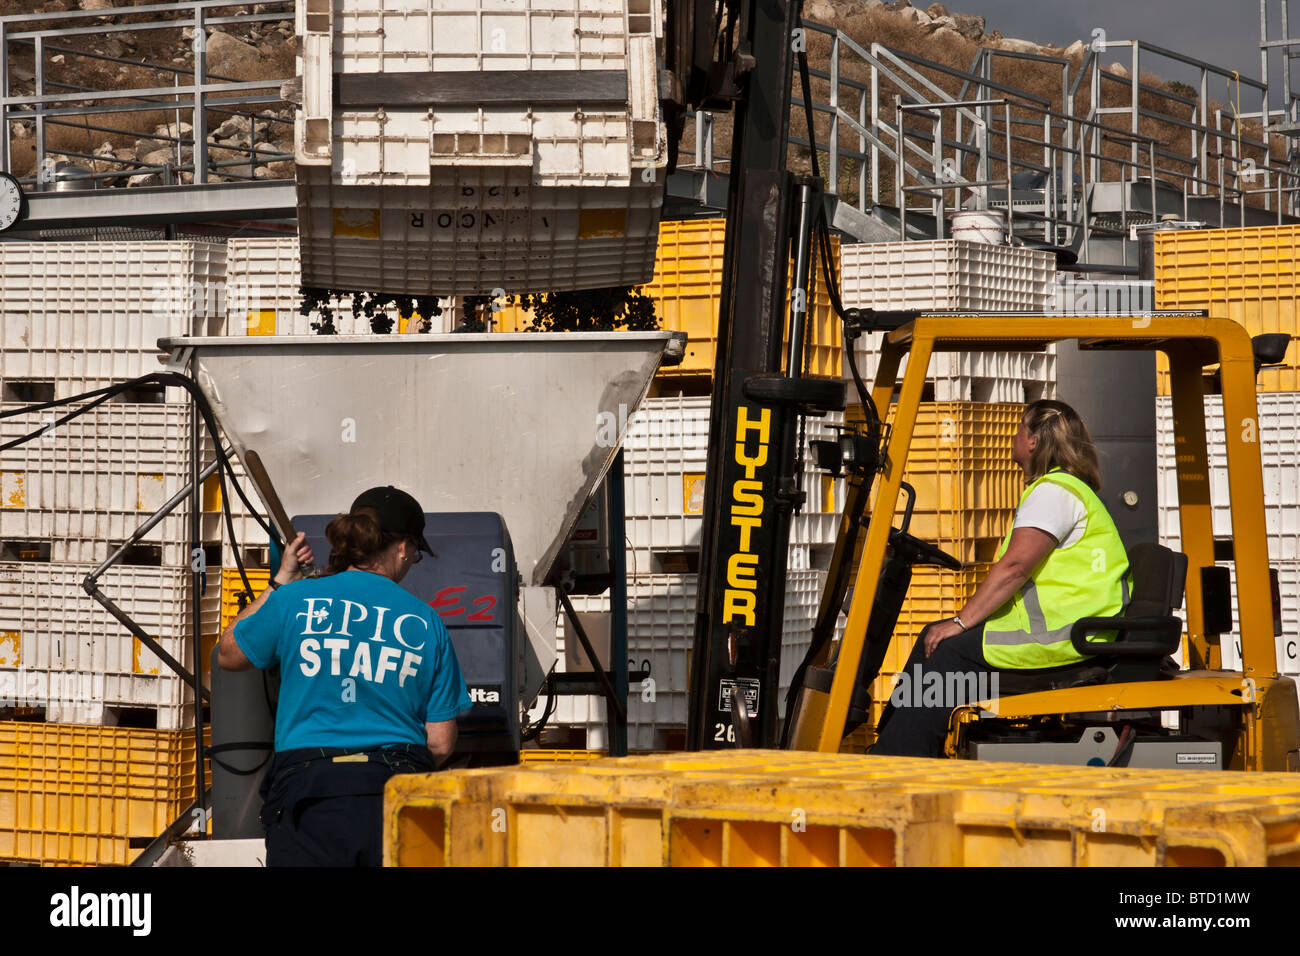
pixel 1063 442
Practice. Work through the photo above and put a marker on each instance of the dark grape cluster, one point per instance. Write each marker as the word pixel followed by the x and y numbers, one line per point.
pixel 373 305
pixel 618 309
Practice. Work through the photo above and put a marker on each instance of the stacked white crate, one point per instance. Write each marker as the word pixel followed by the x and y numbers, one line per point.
pixel 82 315
pixel 529 196
pixel 665 456
pixel 954 274
pixel 75 317
pixel 1278 434
pixel 660 635
pixel 268 274
pixel 59 648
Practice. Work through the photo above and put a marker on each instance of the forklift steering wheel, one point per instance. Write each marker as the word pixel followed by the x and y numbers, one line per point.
pixel 915 551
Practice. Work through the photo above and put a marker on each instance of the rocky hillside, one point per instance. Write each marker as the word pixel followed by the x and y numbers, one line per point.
pixel 265 51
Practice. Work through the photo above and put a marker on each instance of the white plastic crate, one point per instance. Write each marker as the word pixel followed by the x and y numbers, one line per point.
pixel 955 274
pixel 1288 642
pixel 272 272
pixel 1279 446
pixel 58 638
pixel 661 633
pixel 462 199
pixel 665 459
pixel 87 484
pixel 83 315
pixel 945 274
pixel 1019 377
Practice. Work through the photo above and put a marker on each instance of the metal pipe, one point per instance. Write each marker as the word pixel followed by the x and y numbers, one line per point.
pixel 1006 106
pixel 42 174
pixel 617 524
pixel 6 162
pixel 198 564
pixel 799 291
pixel 153 519
pixel 91 588
pixel 619 704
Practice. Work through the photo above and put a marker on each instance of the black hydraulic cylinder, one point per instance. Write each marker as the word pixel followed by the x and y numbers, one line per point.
pixel 749 486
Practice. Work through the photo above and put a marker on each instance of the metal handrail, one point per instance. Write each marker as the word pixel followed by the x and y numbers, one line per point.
pixel 58 104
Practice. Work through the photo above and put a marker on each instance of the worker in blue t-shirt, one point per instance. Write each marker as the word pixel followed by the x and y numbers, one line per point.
pixel 369 683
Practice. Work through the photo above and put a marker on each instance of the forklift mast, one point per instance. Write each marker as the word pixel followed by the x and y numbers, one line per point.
pixel 752 480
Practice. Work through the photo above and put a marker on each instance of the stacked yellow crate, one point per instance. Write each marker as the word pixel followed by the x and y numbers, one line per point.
pixel 1251 276
pixel 686 286
pixel 89 795
pixel 967 490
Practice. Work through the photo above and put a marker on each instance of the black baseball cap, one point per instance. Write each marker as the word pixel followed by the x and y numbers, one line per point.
pixel 398 513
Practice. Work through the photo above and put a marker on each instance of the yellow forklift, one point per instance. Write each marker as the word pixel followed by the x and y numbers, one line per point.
pixel 1115 710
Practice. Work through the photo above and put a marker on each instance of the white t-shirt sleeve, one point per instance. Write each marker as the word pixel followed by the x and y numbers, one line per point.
pixel 1055 510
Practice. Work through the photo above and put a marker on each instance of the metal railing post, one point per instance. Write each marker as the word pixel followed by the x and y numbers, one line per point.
pixel 5 159
pixel 42 174
pixel 199 122
pixel 833 141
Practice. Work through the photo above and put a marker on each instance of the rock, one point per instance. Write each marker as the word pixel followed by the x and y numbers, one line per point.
pixel 266 49
pixel 236 127
pixel 124 153
pixel 169 130
pixel 57 58
pixel 897 5
pixel 936 10
pixel 226 51
pixel 1015 45
pixel 95 4
pixel 968 25
pixel 164 157
pixel 145 179
pixel 943 21
pixel 947 35
pixel 1117 69
pixel 21 74
pixel 913 15
pixel 1076 49
pixel 114 47
pixel 21 130
pixel 821 11
pixel 105 149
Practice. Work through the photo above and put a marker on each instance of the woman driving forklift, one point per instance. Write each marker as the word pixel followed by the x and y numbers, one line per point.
pixel 1062 560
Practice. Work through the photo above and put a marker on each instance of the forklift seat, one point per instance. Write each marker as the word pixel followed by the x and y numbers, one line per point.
pixel 1148 632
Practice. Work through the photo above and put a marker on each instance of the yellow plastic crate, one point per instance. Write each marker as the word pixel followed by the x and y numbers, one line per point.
pixel 232 585
pixel 967 485
pixel 79 795
pixel 751 807
pixel 558 756
pixel 685 287
pixel 1251 276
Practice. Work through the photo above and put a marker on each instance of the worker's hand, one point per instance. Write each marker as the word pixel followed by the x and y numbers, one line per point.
pixel 939 631
pixel 296 555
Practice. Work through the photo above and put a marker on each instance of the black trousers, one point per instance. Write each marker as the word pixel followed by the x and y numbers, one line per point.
pixel 322 811
pixel 917 728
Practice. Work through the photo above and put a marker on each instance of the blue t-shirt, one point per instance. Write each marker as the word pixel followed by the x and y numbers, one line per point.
pixel 363 663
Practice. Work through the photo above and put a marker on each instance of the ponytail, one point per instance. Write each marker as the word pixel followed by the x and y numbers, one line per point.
pixel 355 539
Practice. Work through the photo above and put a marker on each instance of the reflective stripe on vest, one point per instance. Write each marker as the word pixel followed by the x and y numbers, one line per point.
pixel 1038 631
pixel 1089 578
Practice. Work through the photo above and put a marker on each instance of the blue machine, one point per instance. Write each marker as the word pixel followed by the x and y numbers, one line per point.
pixel 473 585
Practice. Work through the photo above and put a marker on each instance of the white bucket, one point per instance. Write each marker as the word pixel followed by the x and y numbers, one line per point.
pixel 980 225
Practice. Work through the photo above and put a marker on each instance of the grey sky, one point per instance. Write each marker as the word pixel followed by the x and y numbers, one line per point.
pixel 1223 32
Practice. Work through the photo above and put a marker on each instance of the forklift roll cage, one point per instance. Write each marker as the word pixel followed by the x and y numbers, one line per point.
pixel 1191 341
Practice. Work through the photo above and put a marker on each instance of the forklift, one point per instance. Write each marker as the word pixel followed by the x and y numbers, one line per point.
pixel 1115 709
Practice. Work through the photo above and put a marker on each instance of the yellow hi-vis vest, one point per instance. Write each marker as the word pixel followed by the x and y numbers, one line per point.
pixel 1089 578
